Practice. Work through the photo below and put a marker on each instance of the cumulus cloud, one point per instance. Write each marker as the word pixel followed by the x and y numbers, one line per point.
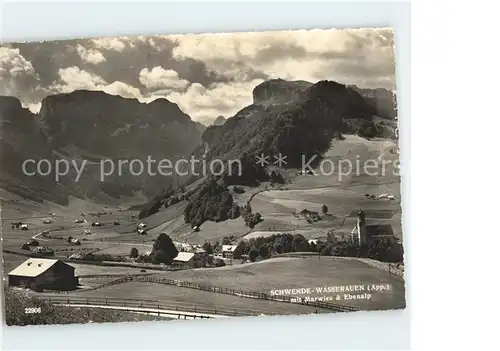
pixel 16 73
pixel 112 43
pixel 35 108
pixel 206 103
pixel 74 78
pixel 207 75
pixel 160 78
pixel 122 89
pixel 363 56
pixel 90 55
pixel 237 46
pixel 13 63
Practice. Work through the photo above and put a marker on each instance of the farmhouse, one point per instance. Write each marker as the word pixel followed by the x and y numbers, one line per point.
pixel 42 251
pixel 200 257
pixel 184 260
pixel 228 251
pixel 339 237
pixel 183 247
pixel 309 215
pixel 41 273
pixel 82 255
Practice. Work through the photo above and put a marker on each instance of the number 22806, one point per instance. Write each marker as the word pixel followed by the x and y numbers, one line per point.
pixel 32 310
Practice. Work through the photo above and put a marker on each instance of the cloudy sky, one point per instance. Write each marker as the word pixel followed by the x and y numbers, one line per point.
pixel 206 75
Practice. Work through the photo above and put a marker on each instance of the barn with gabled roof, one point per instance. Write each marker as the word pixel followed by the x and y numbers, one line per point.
pixel 44 274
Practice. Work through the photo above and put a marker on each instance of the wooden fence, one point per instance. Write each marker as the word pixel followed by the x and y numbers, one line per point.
pixel 113 275
pixel 179 310
pixel 242 293
pixel 153 278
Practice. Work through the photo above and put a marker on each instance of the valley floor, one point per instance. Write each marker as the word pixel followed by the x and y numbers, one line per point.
pixel 279 207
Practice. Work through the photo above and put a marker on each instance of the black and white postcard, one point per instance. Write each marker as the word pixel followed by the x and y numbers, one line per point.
pixel 200 176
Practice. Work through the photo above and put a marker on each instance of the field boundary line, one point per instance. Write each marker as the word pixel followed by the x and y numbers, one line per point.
pixel 244 294
pixel 165 307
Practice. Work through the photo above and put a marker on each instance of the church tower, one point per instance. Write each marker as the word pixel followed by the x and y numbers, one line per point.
pixel 361 228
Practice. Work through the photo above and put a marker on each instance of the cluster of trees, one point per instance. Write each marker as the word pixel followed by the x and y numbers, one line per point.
pixel 251 219
pixel 207 246
pixel 234 212
pixel 247 172
pixel 134 253
pixel 211 201
pixel 264 247
pixel 271 245
pixel 172 201
pixel 164 250
pixel 151 207
pixel 166 198
pixel 102 257
pixel 310 216
pixel 382 252
pixel 238 189
pixel 275 177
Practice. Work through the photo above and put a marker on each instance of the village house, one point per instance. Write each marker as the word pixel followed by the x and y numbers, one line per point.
pixel 228 251
pixel 42 273
pixel 184 260
pixel 312 242
pixel 183 247
pixel 201 256
pixel 339 237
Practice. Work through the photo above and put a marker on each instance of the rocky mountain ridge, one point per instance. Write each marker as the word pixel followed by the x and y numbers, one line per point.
pixel 92 126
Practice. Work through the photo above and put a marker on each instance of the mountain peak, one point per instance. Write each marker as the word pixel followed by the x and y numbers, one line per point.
pixel 81 94
pixel 10 102
pixel 161 101
pixel 278 91
pixel 12 110
pixel 219 121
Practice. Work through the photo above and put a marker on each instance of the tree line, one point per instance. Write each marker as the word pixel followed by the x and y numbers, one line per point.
pixel 276 244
